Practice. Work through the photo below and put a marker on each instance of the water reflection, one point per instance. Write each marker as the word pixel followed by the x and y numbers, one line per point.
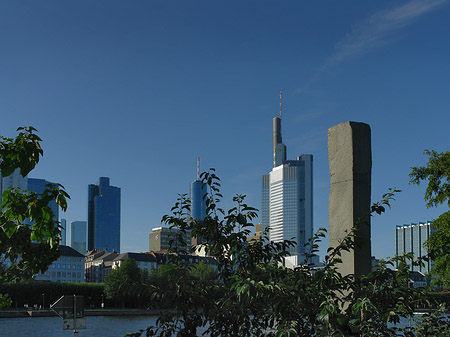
pixel 110 326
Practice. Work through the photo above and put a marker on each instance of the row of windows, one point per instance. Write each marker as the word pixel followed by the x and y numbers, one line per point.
pixel 64 266
pixel 71 258
pixel 63 274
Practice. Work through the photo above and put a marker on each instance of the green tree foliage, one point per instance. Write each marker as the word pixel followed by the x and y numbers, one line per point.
pixel 26 249
pixel 255 295
pixel 36 292
pixel 437 173
pixel 125 282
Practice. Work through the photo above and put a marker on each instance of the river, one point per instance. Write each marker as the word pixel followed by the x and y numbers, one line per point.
pixel 96 326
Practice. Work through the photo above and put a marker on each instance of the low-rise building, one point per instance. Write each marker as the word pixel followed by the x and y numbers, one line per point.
pixel 145 261
pixel 98 264
pixel 69 267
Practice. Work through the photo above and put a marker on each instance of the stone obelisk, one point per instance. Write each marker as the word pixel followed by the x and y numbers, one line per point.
pixel 350 160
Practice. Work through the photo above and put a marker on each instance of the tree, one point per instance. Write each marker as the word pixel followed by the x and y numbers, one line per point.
pixel 256 296
pixel 437 173
pixel 26 249
pixel 125 282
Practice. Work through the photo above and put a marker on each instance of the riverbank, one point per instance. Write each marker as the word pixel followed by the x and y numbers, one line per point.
pixel 89 312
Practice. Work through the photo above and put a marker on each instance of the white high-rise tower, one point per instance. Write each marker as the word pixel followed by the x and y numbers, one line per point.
pixel 287 197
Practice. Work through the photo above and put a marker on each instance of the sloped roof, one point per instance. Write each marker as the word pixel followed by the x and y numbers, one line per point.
pixel 136 256
pixel 69 251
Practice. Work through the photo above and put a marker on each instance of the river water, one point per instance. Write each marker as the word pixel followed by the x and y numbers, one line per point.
pixel 96 326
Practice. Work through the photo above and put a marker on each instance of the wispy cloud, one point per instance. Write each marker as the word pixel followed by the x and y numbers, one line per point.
pixel 377 29
pixel 374 31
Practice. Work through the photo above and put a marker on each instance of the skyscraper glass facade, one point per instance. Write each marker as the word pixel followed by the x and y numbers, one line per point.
pixel 78 236
pixel 104 216
pixel 287 197
pixel 198 203
pixel 410 238
pixel 38 186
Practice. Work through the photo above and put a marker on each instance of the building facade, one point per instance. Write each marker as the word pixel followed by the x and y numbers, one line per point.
pixel 410 238
pixel 145 261
pixel 98 265
pixel 15 179
pixel 63 225
pixel 69 267
pixel 39 186
pixel 196 195
pixel 287 198
pixel 104 216
pixel 78 236
pixel 161 237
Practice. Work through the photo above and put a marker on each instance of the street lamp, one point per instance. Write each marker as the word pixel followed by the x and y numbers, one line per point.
pixel 43 301
pixel 103 304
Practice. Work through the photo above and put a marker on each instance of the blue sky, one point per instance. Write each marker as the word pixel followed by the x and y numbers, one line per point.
pixel 136 90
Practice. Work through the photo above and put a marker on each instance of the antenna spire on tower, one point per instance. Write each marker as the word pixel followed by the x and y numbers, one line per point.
pixel 280 106
pixel 198 167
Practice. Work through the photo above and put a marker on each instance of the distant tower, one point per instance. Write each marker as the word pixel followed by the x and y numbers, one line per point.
pixel 197 193
pixel 63 224
pixel 279 149
pixel 39 186
pixel 287 197
pixel 78 236
pixel 104 216
pixel 15 179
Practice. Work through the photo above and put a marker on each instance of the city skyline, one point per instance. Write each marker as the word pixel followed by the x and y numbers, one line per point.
pixel 136 91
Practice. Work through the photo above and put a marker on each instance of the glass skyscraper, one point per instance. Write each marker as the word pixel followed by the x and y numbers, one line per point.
pixel 38 186
pixel 287 198
pixel 104 216
pixel 196 195
pixel 78 236
pixel 411 238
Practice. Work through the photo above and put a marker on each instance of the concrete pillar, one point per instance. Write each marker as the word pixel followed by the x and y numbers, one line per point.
pixel 350 160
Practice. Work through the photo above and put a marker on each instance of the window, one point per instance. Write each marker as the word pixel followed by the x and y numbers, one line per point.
pixel 79 267
pixel 63 258
pixel 58 274
pixel 64 266
pixel 59 266
pixel 64 274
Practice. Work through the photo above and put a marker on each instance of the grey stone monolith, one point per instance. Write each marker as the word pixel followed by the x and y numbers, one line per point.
pixel 350 160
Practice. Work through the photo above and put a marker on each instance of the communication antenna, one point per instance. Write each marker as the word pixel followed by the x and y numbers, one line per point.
pixel 198 168
pixel 280 106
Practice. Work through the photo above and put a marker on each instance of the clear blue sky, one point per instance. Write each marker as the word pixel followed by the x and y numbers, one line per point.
pixel 136 90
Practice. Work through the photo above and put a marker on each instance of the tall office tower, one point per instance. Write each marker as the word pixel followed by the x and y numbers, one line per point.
pixel 38 186
pixel 15 179
pixel 104 216
pixel 78 236
pixel 63 224
pixel 287 197
pixel 197 192
pixel 410 238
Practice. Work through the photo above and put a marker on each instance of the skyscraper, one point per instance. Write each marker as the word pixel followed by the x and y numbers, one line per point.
pixel 38 186
pixel 287 197
pixel 63 231
pixel 410 238
pixel 15 179
pixel 104 216
pixel 78 236
pixel 197 192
